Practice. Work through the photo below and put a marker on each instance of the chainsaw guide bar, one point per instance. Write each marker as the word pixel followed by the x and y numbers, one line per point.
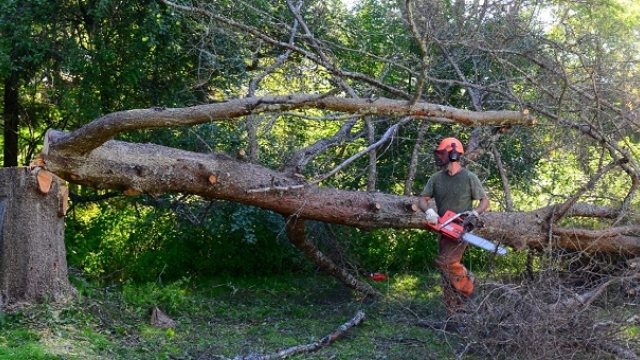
pixel 454 227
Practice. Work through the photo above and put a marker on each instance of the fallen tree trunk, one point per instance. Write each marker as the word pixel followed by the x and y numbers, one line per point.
pixel 154 170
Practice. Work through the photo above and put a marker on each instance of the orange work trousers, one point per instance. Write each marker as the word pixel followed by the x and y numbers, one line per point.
pixel 457 284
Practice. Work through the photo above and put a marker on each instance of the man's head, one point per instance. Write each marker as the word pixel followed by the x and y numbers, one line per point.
pixel 448 151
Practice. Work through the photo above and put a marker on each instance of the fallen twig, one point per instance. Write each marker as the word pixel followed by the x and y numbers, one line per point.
pixel 588 297
pixel 299 349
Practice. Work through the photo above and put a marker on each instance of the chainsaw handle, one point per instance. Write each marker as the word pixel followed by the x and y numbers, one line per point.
pixel 451 219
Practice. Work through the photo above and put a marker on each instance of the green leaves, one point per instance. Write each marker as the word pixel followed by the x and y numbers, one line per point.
pixel 79 61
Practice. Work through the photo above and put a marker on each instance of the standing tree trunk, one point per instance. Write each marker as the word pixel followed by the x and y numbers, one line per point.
pixel 33 262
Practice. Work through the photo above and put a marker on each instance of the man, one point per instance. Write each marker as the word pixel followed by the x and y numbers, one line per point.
pixel 454 188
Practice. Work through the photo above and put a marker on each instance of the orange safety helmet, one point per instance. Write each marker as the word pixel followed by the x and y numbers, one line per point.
pixel 450 144
pixel 449 150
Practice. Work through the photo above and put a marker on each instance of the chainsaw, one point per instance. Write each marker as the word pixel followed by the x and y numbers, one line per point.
pixel 458 227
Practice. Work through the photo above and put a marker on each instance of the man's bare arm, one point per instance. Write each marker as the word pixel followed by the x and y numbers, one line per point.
pixel 483 205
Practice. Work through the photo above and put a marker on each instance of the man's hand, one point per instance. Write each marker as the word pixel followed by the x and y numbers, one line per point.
pixel 431 216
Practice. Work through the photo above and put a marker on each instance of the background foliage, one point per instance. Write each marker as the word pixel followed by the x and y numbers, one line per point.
pixel 71 62
pixel 227 272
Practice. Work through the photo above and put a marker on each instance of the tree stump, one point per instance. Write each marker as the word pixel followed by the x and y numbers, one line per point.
pixel 33 264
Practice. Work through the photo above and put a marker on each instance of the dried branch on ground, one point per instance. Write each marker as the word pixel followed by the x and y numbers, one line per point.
pixel 557 314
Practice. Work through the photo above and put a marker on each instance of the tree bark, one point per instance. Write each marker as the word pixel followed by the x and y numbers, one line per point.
pixel 33 262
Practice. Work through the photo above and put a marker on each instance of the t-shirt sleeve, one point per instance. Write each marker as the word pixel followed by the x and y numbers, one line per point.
pixel 477 191
pixel 428 189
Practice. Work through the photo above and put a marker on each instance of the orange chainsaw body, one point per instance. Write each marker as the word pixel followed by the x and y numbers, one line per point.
pixel 449 224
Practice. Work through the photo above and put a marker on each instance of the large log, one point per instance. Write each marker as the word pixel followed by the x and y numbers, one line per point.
pixel 154 169
pixel 33 261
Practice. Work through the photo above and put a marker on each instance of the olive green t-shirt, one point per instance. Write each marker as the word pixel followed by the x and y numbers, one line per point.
pixel 455 193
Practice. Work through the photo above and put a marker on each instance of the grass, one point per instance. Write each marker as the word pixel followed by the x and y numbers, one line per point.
pixel 225 318
pixel 234 318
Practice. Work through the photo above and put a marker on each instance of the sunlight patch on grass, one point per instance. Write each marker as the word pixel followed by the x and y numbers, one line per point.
pixel 73 344
pixel 412 286
pixel 29 351
pixel 405 284
pixel 149 332
pixel 70 348
pixel 45 344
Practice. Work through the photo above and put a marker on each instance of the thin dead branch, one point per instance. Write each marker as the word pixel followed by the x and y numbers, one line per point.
pixel 413 163
pixel 556 314
pixel 309 348
pixel 562 210
pixel 503 177
pixel 385 137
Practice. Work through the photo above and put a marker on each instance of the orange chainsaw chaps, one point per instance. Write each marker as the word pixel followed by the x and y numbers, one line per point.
pixel 457 274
